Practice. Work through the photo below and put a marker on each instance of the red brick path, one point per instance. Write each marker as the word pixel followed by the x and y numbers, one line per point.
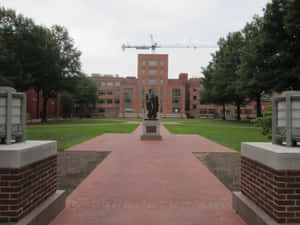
pixel 150 183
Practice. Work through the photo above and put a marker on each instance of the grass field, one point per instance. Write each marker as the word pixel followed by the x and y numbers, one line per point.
pixel 228 133
pixel 66 136
pixel 80 121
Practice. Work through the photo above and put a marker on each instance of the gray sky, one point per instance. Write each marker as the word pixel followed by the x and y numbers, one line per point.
pixel 100 27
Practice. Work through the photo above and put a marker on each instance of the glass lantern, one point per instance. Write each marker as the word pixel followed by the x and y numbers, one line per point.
pixel 12 115
pixel 286 118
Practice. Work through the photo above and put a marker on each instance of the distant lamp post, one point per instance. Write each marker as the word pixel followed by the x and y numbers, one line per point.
pixel 12 115
pixel 286 118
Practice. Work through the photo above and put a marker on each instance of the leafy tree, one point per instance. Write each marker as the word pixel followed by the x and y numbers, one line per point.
pixel 214 86
pixel 12 71
pixel 85 94
pixel 67 104
pixel 253 68
pixel 282 41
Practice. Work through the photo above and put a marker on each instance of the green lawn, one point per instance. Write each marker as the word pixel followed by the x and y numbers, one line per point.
pixel 79 121
pixel 67 136
pixel 227 133
pixel 210 122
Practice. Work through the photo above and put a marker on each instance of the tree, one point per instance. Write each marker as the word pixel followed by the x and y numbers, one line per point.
pixel 86 92
pixel 282 41
pixel 253 68
pixel 58 61
pixel 214 86
pixel 12 71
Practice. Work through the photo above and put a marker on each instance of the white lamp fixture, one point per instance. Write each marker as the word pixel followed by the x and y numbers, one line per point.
pixel 286 118
pixel 12 115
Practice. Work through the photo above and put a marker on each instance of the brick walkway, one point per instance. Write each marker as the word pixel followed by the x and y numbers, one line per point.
pixel 149 183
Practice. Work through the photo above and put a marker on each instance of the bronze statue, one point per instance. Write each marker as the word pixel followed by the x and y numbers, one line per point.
pixel 152 105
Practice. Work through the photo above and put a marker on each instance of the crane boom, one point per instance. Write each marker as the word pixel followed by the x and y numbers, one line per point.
pixel 154 46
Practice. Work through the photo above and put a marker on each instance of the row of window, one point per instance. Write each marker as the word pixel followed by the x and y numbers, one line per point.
pixel 128 95
pixel 109 92
pixel 109 83
pixel 153 72
pixel 205 111
pixel 108 101
pixel 152 82
pixel 153 63
pixel 109 110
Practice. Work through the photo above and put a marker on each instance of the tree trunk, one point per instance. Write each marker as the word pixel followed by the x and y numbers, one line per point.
pixel 45 104
pixel 258 107
pixel 37 103
pixel 238 111
pixel 223 112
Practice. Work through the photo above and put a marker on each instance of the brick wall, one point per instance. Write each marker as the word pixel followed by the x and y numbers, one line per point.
pixel 22 190
pixel 276 192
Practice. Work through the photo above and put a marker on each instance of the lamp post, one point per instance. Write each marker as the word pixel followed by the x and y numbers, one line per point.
pixel 12 115
pixel 286 118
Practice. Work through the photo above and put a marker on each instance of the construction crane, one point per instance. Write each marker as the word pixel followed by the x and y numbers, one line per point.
pixel 154 45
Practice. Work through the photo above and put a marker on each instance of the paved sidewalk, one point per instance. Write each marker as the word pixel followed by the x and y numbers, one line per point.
pixel 149 183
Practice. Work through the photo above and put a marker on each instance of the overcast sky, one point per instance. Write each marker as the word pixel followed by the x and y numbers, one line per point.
pixel 99 28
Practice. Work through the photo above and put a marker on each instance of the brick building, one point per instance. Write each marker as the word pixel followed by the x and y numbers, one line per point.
pixel 53 106
pixel 179 98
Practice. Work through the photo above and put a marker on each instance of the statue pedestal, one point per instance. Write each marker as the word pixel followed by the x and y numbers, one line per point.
pixel 151 130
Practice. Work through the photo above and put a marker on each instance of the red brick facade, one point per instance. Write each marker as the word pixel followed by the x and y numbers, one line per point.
pixel 124 97
pixel 276 192
pixel 22 190
pixel 53 107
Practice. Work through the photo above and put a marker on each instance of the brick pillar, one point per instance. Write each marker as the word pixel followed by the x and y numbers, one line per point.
pixel 23 189
pixel 270 184
pixel 28 178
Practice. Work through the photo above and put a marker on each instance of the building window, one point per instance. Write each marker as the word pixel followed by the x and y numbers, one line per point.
pixel 203 111
pixel 176 110
pixel 144 63
pixel 162 72
pixel 117 92
pixel 117 101
pixel 117 83
pixel 101 110
pixel 176 95
pixel 143 72
pixel 212 111
pixel 161 81
pixel 109 83
pixel 109 101
pixel 143 81
pixel 162 63
pixel 152 82
pixel 128 109
pixel 194 97
pixel 101 92
pixel 194 106
pixel 117 110
pixel 152 63
pixel 194 89
pixel 128 95
pixel 152 72
pixel 109 92
pixel 102 83
pixel 248 111
pixel 101 101
pixel 109 110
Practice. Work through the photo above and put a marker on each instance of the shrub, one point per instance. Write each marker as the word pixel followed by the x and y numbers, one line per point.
pixel 265 122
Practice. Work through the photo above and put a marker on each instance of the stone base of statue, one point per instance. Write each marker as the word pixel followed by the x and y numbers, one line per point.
pixel 151 130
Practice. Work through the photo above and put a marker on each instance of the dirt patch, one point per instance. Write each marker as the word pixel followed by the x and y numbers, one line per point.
pixel 74 166
pixel 225 166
